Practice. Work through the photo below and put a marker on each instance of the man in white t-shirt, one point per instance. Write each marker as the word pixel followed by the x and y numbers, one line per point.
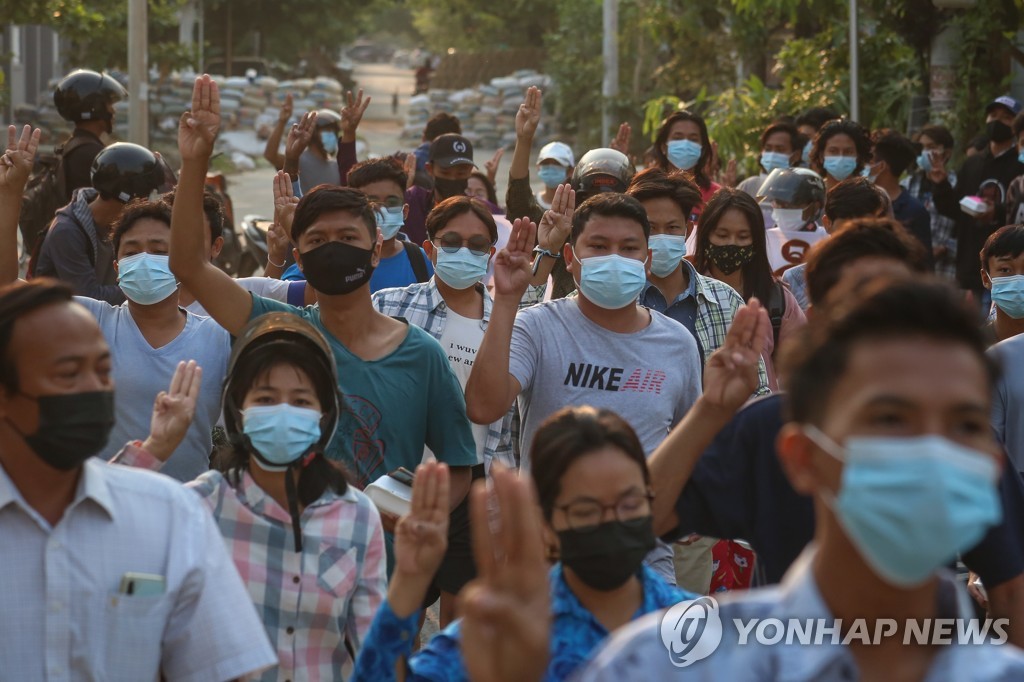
pixel 600 348
pixel 150 334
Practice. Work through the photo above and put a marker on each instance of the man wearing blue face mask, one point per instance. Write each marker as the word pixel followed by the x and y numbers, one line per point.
pixel 600 348
pixel 317 164
pixel 902 469
pixel 554 167
pixel 781 146
pixel 1002 273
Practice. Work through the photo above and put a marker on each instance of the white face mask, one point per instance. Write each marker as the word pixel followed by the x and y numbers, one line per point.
pixel 788 219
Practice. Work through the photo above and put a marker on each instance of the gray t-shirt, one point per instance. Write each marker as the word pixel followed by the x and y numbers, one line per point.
pixel 315 171
pixel 140 372
pixel 650 378
pixel 1008 399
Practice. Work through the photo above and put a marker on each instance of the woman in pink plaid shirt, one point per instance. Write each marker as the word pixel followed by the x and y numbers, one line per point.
pixel 309 547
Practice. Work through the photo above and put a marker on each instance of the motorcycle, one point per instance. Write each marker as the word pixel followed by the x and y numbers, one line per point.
pixel 253 229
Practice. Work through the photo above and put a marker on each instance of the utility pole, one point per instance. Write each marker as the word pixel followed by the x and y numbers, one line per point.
pixel 854 65
pixel 138 73
pixel 610 85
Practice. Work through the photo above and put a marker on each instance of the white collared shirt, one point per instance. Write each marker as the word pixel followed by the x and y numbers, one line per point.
pixel 638 651
pixel 62 616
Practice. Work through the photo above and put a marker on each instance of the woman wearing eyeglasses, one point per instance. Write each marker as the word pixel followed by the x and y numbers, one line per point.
pixel 594 491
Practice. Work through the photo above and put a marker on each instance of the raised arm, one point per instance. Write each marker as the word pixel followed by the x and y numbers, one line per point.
pixel 730 377
pixel 272 152
pixel 552 233
pixel 279 242
pixel 15 168
pixel 491 388
pixel 351 115
pixel 226 302
pixel 298 139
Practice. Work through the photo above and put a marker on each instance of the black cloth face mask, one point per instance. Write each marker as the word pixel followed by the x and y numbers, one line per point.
pixel 72 427
pixel 606 556
pixel 730 258
pixel 998 131
pixel 448 188
pixel 336 268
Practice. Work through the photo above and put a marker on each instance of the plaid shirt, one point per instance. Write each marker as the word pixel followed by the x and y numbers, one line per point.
pixel 717 303
pixel 422 305
pixel 312 602
pixel 943 228
pixel 796 280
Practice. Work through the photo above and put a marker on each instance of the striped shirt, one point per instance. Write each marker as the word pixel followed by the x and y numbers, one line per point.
pixel 315 604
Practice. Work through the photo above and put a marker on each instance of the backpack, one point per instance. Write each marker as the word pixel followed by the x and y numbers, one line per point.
pixel 417 260
pixel 45 192
pixel 776 309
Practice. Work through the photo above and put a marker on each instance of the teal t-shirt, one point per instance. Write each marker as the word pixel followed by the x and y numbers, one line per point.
pixel 393 406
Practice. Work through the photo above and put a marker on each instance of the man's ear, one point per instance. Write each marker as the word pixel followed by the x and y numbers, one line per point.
pixel 429 167
pixel 117 271
pixel 796 451
pixel 218 246
pixel 826 222
pixel 298 257
pixel 689 228
pixel 405 212
pixel 986 279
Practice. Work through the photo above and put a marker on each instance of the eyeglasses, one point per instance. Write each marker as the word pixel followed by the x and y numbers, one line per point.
pixel 392 202
pixel 585 515
pixel 452 242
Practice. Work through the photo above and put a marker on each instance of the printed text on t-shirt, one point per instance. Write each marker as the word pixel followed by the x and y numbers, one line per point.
pixel 586 375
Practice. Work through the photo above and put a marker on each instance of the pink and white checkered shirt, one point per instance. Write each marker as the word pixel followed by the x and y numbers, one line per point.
pixel 312 602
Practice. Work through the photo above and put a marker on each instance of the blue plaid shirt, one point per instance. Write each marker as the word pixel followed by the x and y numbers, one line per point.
pixel 796 279
pixel 422 305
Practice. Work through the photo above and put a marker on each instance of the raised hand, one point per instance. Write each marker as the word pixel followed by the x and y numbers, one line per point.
pixel 352 114
pixel 16 162
pixel 512 269
pixel 528 116
pixel 421 539
pixel 299 138
pixel 198 127
pixel 279 236
pixel 492 165
pixel 622 138
pixel 173 411
pixel 730 374
pixel 729 176
pixel 556 223
pixel 506 610
pixel 286 109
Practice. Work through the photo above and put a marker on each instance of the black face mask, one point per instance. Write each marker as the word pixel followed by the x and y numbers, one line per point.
pixel 335 268
pixel 729 258
pixel 448 188
pixel 72 427
pixel 605 557
pixel 998 131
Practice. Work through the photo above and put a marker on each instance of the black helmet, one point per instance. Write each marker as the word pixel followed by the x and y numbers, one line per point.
pixel 601 170
pixel 797 187
pixel 84 95
pixel 327 117
pixel 126 171
pixel 268 334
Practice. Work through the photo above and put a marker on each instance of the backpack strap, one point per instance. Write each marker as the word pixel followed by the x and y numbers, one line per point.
pixel 776 308
pixel 417 260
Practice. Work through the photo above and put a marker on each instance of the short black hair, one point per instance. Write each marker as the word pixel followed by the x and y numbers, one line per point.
pixel 1018 124
pixel 854 197
pixel 609 205
pixel 1008 240
pixel 375 170
pixel 938 134
pixel 817 356
pixel 856 239
pixel 795 138
pixel 452 207
pixel 137 210
pixel 654 183
pixel 441 124
pixel 574 432
pixel 896 150
pixel 842 126
pixel 213 208
pixel 324 199
pixel 816 117
pixel 16 301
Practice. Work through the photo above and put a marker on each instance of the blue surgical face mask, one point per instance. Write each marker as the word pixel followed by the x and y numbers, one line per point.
pixel 390 220
pixel 683 154
pixel 840 167
pixel 1008 295
pixel 281 434
pixel 1020 157
pixel 146 278
pixel 329 139
pixel 924 161
pixel 611 282
pixel 551 176
pixel 667 250
pixel 910 505
pixel 772 160
pixel 461 269
pixel 807 151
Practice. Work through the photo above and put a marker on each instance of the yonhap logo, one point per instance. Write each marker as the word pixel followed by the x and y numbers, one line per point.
pixel 691 631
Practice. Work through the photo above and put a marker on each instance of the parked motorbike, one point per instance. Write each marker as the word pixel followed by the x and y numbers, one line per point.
pixel 233 258
pixel 254 230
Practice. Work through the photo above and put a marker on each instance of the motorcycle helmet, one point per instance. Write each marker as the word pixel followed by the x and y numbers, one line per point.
pixel 326 118
pixel 601 170
pixel 85 95
pixel 795 188
pixel 126 171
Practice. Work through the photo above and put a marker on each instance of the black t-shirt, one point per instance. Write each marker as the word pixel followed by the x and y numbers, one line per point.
pixel 78 162
pixel 739 491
